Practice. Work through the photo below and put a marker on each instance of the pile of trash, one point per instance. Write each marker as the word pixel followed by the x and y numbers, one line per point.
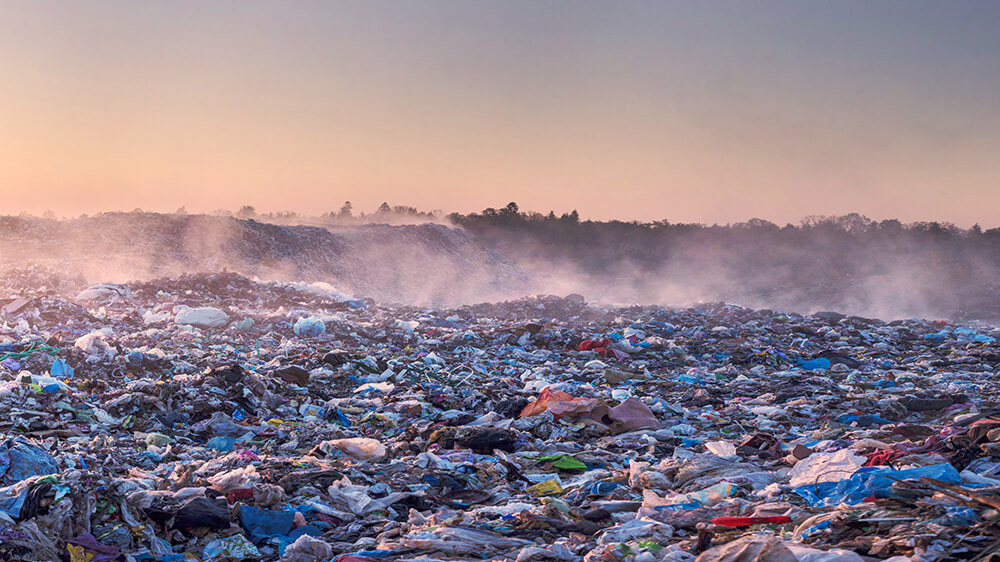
pixel 212 417
pixel 425 264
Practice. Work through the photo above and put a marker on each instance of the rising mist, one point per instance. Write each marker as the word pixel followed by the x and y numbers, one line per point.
pixel 400 255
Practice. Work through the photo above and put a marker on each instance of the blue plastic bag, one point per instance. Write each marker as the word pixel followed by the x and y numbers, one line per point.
pixel 309 327
pixel 222 444
pixel 262 524
pixel 61 369
pixel 12 499
pixel 866 420
pixel 818 364
pixel 870 481
pixel 938 336
pixel 20 459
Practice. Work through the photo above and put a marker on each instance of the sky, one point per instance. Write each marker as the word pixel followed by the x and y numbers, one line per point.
pixel 704 111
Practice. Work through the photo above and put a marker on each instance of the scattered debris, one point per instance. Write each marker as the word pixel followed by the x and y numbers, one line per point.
pixel 213 417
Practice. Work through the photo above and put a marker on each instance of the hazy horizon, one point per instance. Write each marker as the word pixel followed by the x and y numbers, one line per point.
pixel 709 112
pixel 360 217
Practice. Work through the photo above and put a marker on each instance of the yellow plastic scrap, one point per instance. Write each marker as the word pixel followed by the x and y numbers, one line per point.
pixel 79 554
pixel 546 488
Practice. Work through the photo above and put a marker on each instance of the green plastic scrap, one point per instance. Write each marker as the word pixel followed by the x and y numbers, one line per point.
pixel 562 462
pixel 35 346
pixel 81 414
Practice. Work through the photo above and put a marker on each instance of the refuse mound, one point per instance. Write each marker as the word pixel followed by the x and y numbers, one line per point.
pixel 413 264
pixel 211 416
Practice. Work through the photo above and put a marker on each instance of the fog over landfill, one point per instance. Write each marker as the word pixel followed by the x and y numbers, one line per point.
pixel 852 264
pixel 518 281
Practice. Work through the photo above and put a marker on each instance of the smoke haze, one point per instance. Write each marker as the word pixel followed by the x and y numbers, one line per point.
pixel 849 264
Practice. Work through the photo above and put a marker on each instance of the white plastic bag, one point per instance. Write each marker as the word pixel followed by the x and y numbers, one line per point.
pixel 825 467
pixel 205 317
pixel 360 448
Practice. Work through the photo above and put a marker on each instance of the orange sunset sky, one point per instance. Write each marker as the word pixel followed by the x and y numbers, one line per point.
pixel 686 111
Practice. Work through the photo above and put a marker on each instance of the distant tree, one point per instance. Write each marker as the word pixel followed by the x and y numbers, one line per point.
pixel 181 211
pixel 759 224
pixel 345 210
pixel 933 228
pixel 890 226
pixel 48 214
pixel 246 212
pixel 854 223
pixel 815 221
pixel 383 209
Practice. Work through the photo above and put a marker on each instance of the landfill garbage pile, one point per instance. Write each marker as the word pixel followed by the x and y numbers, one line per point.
pixel 216 418
pixel 404 263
